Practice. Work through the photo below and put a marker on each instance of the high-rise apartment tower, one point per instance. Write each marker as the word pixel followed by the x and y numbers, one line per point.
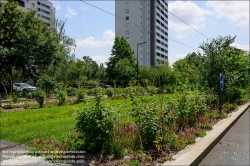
pixel 151 16
pixel 45 9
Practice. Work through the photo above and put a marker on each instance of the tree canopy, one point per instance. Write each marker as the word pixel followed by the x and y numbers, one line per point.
pixel 26 41
pixel 120 50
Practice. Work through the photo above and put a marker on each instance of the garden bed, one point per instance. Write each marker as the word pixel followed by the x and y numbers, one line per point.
pixel 25 126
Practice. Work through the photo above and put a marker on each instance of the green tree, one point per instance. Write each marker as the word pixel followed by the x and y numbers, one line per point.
pixel 101 73
pixel 26 41
pixel 77 70
pixel 220 57
pixel 120 50
pixel 92 67
pixel 65 46
pixel 144 75
pixel 124 70
pixel 186 71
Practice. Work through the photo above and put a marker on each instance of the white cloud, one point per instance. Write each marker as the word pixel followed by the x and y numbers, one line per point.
pixel 173 58
pixel 85 8
pixel 71 12
pixel 180 36
pixel 243 47
pixel 57 5
pixel 188 12
pixel 100 59
pixel 91 42
pixel 236 12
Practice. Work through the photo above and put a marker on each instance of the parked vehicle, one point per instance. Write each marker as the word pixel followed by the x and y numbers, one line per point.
pixel 26 87
pixel 33 84
pixel 103 85
pixel 17 87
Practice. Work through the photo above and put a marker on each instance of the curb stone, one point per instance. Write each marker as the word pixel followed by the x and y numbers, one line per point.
pixel 194 153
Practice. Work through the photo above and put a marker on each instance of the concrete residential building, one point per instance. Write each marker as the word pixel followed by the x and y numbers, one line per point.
pixel 152 16
pixel 45 9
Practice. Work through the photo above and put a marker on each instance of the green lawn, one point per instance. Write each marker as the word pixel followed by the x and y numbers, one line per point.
pixel 54 122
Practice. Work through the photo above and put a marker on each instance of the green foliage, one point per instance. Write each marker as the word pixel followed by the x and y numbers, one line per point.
pixel 96 126
pixel 61 96
pixel 132 163
pixel 145 115
pixel 152 90
pixel 92 67
pixel 81 95
pixel 15 97
pixel 120 50
pixel 125 70
pixel 186 71
pixel 109 92
pixel 117 149
pixel 220 57
pixel 40 97
pixel 77 70
pixel 20 29
pixel 47 84
pixel 71 91
pixel 200 133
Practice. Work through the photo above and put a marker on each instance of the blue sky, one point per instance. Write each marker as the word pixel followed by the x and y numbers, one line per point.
pixel 94 30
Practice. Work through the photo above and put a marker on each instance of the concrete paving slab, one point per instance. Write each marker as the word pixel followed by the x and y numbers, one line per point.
pixel 11 150
pixel 193 154
pixel 6 144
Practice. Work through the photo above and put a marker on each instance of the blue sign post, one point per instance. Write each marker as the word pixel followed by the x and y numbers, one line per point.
pixel 221 89
pixel 221 82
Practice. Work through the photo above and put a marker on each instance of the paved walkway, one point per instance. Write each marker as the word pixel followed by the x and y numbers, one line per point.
pixel 233 148
pixel 15 154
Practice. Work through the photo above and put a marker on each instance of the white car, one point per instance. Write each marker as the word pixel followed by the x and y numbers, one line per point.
pixel 17 87
pixel 26 87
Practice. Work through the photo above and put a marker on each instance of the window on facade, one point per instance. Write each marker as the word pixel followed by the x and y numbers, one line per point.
pixel 127 3
pixel 33 5
pixel 127 24
pixel 38 3
pixel 127 10
pixel 127 18
pixel 127 31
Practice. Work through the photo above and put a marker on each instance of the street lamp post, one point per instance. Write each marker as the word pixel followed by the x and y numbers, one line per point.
pixel 138 64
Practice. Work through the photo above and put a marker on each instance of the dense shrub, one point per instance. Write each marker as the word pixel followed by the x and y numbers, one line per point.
pixel 109 92
pixel 40 96
pixel 47 84
pixel 61 96
pixel 90 84
pixel 96 126
pixel 81 95
pixel 145 115
pixel 152 90
pixel 71 91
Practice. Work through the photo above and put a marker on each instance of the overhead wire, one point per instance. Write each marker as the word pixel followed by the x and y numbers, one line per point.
pixel 133 23
pixel 184 22
pixel 188 25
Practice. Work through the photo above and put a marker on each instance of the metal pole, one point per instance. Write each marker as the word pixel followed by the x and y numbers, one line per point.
pixel 137 67
pixel 137 72
pixel 220 101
